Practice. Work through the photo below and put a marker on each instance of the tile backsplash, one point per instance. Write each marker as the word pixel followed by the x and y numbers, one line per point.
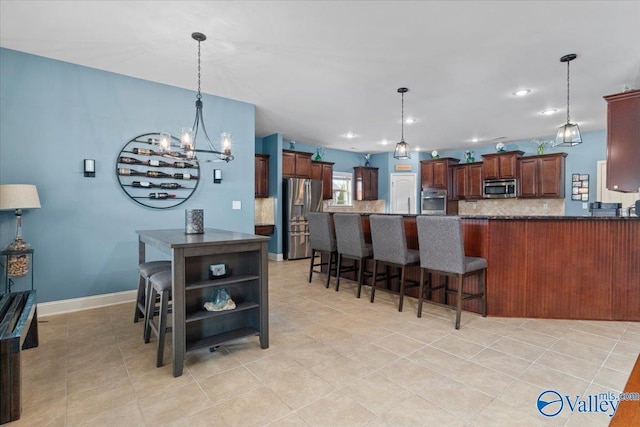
pixel 265 211
pixel 513 207
pixel 365 206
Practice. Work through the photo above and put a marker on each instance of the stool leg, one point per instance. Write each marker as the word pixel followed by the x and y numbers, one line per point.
pixel 483 278
pixel 459 302
pixel 420 292
pixel 148 318
pixel 329 264
pixel 373 279
pixel 359 264
pixel 162 327
pixel 313 255
pixel 140 298
pixel 338 272
pixel 402 274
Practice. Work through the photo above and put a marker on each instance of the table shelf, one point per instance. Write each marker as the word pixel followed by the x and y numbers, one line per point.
pixel 214 340
pixel 204 314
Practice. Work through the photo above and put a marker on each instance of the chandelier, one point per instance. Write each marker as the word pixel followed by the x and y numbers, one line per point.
pixel 402 148
pixel 189 135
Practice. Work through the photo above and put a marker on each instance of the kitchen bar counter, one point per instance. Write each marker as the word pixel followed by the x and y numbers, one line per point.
pixel 552 267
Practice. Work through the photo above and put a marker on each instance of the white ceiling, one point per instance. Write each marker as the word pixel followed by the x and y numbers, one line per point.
pixel 317 70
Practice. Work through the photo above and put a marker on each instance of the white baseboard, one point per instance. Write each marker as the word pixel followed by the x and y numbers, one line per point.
pixel 84 303
pixel 276 257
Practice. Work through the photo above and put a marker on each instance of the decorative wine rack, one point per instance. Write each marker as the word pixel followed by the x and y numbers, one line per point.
pixel 153 178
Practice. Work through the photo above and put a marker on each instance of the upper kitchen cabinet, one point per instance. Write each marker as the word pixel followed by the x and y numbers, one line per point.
pixel 542 176
pixel 262 175
pixel 365 182
pixel 296 164
pixel 324 172
pixel 623 141
pixel 501 165
pixel 437 174
pixel 467 181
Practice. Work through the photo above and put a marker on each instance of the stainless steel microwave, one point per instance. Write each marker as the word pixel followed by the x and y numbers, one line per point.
pixel 499 188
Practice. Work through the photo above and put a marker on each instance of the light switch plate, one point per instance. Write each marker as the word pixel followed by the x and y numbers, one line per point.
pixel 236 205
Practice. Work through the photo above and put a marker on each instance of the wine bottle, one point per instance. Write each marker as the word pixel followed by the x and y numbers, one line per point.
pixel 158 174
pixel 185 176
pixel 170 185
pixel 130 160
pixel 183 165
pixel 175 154
pixel 145 152
pixel 157 163
pixel 143 184
pixel 161 196
pixel 125 171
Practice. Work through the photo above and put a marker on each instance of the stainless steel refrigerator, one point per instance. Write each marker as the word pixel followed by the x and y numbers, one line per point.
pixel 301 196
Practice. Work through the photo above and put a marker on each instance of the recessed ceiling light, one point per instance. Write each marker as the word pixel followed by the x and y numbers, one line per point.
pixel 350 135
pixel 384 142
pixel 522 92
pixel 549 111
pixel 475 140
pixel 410 120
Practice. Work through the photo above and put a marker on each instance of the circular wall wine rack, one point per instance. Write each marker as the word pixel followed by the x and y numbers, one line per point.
pixel 155 178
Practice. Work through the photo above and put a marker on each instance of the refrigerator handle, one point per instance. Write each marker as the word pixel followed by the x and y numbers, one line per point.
pixel 307 197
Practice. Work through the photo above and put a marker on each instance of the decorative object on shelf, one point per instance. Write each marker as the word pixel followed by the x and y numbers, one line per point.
pixel 367 157
pixel 580 187
pixel 500 147
pixel 468 155
pixel 194 221
pixel 319 155
pixel 89 168
pixel 154 162
pixel 568 134
pixel 292 145
pixel 435 154
pixel 541 145
pixel 18 197
pixel 402 148
pixel 188 139
pixel 220 301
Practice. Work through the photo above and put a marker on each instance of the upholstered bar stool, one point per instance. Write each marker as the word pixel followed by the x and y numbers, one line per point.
pixel 160 287
pixel 390 248
pixel 350 243
pixel 322 237
pixel 146 270
pixel 442 252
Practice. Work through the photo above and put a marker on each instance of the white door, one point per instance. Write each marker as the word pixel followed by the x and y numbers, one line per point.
pixel 403 193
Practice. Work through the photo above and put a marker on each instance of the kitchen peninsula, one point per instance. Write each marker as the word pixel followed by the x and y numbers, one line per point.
pixel 244 257
pixel 552 267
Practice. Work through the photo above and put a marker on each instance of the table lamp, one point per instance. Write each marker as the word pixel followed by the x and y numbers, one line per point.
pixel 18 197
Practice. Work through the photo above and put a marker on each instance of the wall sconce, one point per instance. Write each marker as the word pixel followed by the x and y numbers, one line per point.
pixel 89 168
pixel 217 176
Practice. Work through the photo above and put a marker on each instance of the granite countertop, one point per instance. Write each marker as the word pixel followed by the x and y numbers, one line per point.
pixel 531 217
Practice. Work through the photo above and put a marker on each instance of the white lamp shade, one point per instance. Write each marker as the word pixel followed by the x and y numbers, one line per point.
pixel 18 196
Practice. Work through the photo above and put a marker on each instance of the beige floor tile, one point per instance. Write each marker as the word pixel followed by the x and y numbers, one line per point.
pixel 476 335
pixel 85 406
pixel 554 328
pixel 524 396
pixel 614 380
pixel 107 376
pixel 467 401
pixel 409 375
pixel 518 348
pixel 501 362
pixel 547 378
pixel 204 363
pixel 593 340
pixel 205 418
pixel 499 414
pixel 532 337
pixel 229 384
pixel 579 350
pixel 370 355
pixel 436 359
pixel 335 409
pixel 579 368
pixel 458 346
pixel 173 404
pixel 375 393
pixel 621 363
pixel 256 408
pixel 416 411
pixel 341 370
pixel 481 378
pixel 399 344
pixel 158 381
pixel 629 349
pixel 47 412
pixel 291 420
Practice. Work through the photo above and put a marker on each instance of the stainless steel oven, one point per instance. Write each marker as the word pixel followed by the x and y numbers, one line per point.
pixel 434 202
pixel 499 188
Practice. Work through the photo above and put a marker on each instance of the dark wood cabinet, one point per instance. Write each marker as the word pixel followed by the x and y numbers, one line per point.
pixel 437 174
pixel 467 181
pixel 296 164
pixel 365 183
pixel 542 176
pixel 261 175
pixel 324 172
pixel 623 141
pixel 501 165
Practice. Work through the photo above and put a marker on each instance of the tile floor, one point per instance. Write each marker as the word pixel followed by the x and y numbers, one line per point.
pixel 334 360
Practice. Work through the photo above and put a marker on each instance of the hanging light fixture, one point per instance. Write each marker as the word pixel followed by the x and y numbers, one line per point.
pixel 402 148
pixel 189 136
pixel 569 134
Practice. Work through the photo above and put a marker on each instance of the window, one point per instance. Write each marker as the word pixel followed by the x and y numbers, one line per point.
pixel 342 188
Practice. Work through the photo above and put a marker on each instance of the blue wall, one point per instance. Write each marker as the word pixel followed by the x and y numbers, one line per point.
pixel 54 115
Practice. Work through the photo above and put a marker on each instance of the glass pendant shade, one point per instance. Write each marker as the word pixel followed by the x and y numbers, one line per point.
pixel 402 151
pixel 568 135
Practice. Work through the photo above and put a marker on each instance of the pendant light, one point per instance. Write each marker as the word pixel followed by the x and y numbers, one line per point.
pixel 402 148
pixel 189 136
pixel 569 134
